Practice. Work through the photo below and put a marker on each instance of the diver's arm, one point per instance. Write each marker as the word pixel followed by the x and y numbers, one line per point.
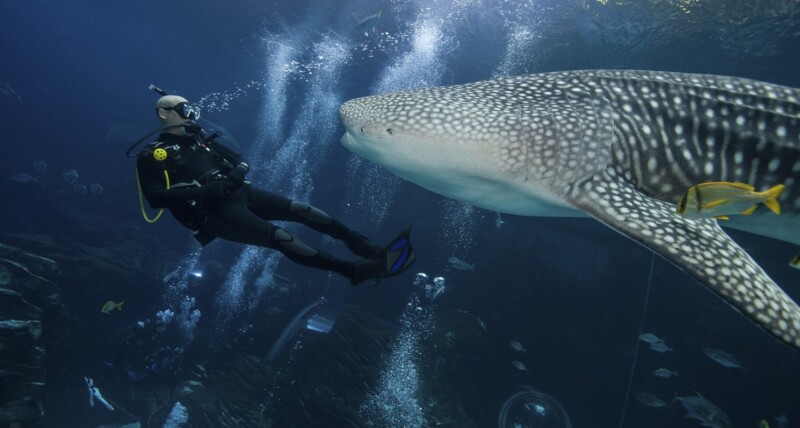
pixel 170 197
pixel 165 198
pixel 240 166
pixel 229 155
pixel 215 190
pixel 153 184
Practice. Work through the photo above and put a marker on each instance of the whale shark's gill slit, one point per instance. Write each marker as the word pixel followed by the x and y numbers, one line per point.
pixel 605 121
pixel 578 153
pixel 526 139
pixel 592 132
pixel 555 146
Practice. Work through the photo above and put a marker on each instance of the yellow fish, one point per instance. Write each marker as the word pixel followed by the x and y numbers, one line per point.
pixel 110 306
pixel 721 199
pixel 763 424
pixel 795 261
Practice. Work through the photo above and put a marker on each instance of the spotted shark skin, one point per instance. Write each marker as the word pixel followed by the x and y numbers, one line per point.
pixel 619 145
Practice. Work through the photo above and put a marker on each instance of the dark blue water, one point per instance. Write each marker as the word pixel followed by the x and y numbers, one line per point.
pixel 571 290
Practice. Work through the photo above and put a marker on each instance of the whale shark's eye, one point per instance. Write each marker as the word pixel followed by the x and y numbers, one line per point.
pixel 389 131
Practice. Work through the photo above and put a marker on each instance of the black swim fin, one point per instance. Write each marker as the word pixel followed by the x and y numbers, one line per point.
pixel 393 259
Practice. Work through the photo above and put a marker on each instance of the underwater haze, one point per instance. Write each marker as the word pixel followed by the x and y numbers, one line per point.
pixel 503 320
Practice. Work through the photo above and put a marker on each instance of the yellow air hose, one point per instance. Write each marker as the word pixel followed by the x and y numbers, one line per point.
pixel 160 155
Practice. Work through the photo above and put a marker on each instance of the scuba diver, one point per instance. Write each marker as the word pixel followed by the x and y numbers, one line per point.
pixel 203 185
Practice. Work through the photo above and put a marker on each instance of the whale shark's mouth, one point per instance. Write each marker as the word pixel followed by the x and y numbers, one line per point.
pixel 347 139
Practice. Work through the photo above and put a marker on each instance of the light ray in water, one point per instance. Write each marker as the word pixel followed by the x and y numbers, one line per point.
pixel 459 225
pixel 178 300
pixel 289 172
pixel 281 49
pixel 522 44
pixel 229 302
pixel 396 402
pixel 266 278
pixel 423 65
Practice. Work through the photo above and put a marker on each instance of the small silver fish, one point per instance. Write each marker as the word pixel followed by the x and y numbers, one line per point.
pixel 498 221
pixel 650 400
pixel 97 189
pixel 649 338
pixel 724 358
pixel 40 166
pixel 70 176
pixel 79 188
pixel 459 264
pixel 21 177
pixel 660 347
pixel 665 373
pixel 517 346
pixel 369 23
pixel 8 91
pixel 480 321
pixel 520 366
pixel 704 411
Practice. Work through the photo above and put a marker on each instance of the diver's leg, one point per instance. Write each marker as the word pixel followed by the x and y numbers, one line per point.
pixel 320 221
pixel 273 206
pixel 297 251
pixel 235 222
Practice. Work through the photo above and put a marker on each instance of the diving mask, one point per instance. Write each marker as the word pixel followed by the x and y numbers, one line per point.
pixel 184 110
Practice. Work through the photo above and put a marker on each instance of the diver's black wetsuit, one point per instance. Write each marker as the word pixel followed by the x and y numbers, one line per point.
pixel 207 195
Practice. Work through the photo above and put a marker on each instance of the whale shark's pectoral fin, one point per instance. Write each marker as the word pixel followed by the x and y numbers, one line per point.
pixel 698 246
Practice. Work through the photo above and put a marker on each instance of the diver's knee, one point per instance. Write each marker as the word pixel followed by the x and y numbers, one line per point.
pixel 311 213
pixel 295 246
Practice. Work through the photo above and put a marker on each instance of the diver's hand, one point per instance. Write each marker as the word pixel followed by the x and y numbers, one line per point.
pixel 216 190
pixel 236 175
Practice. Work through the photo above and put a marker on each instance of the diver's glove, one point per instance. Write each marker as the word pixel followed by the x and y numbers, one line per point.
pixel 237 174
pixel 218 189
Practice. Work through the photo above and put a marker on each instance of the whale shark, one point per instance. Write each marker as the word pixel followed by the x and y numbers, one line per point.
pixel 620 146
